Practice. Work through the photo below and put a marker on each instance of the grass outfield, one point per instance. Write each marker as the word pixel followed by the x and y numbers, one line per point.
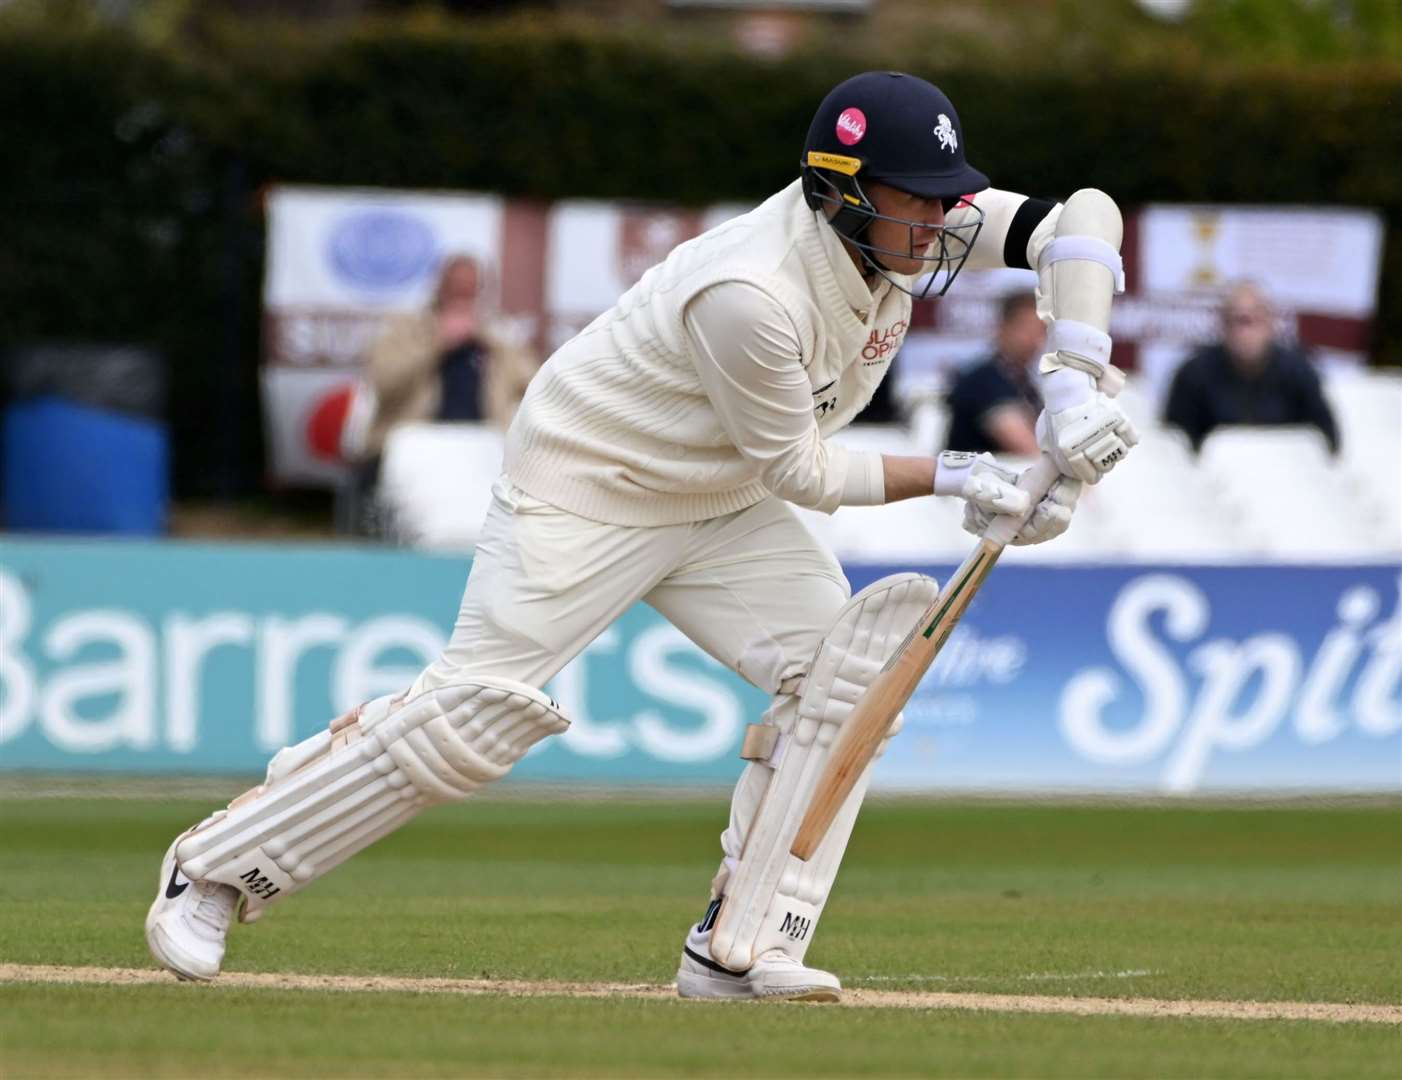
pixel 1243 904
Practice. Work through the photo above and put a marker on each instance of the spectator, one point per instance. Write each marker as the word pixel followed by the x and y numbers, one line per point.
pixel 445 363
pixel 993 404
pixel 1249 377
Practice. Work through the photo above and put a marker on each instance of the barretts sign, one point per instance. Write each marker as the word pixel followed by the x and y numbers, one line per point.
pixel 187 658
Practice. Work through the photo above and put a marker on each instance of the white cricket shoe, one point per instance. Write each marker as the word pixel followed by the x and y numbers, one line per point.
pixel 187 923
pixel 775 976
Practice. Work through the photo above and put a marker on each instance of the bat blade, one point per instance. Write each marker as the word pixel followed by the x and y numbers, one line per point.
pixel 876 710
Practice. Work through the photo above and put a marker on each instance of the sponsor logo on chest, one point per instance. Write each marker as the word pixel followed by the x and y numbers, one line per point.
pixel 883 342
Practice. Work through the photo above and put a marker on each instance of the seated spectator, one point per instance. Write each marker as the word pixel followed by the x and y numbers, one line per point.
pixel 993 405
pixel 1248 377
pixel 447 362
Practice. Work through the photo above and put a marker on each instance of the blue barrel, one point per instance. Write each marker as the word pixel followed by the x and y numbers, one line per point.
pixel 70 467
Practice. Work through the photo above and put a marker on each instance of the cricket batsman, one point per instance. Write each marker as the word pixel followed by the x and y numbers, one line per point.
pixel 655 458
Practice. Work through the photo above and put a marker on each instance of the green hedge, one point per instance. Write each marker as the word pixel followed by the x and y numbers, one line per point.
pixel 128 202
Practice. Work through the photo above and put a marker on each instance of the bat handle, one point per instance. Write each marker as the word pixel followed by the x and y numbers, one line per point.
pixel 1036 481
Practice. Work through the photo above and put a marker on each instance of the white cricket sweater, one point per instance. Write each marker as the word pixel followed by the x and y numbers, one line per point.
pixel 620 426
pixel 714 380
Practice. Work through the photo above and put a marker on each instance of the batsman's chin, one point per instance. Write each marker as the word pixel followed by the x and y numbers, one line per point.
pixel 910 266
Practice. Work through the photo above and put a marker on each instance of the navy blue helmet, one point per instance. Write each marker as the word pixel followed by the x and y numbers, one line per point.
pixel 901 131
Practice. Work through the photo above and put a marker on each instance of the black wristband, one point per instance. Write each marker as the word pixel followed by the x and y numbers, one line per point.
pixel 1029 215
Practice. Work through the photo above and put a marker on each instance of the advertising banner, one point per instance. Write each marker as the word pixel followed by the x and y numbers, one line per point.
pixel 1178 260
pixel 340 260
pixel 178 658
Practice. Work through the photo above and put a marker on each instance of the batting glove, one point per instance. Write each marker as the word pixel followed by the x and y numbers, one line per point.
pixel 1049 519
pixel 1085 432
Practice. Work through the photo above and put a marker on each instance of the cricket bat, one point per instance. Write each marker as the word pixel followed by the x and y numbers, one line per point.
pixel 876 710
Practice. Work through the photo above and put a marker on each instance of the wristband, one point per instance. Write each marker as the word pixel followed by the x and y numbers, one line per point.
pixel 1065 388
pixel 952 469
pixel 1083 341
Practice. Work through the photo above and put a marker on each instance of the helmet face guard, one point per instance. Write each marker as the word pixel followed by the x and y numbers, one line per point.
pixel 831 180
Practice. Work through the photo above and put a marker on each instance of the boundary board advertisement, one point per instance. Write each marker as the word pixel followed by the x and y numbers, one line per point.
pixel 183 658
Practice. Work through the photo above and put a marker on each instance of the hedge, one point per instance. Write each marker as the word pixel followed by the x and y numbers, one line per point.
pixel 129 211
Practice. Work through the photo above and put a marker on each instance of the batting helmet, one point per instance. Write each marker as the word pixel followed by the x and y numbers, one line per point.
pixel 904 132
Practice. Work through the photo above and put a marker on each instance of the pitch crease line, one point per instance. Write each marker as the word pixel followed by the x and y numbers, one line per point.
pixel 1018 1003
pixel 1032 976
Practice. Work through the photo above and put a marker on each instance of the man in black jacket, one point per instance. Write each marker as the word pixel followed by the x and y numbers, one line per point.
pixel 1249 377
pixel 993 404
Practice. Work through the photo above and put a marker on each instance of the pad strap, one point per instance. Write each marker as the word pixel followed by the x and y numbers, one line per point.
pixel 760 742
pixel 1088 248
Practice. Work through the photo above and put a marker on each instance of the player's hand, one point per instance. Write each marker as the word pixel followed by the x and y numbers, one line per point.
pixel 1049 519
pixel 456 325
pixel 981 481
pixel 1084 431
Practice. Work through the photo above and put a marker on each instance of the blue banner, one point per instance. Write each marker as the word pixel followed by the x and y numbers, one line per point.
pixel 174 657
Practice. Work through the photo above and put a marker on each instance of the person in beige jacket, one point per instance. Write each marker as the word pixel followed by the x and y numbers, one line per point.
pixel 447 362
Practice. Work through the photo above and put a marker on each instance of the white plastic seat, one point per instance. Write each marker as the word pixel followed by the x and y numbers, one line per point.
pixel 436 482
pixel 913 531
pixel 1293 498
pixel 1368 410
pixel 1368 402
pixel 1138 402
pixel 1160 505
pixel 1253 492
pixel 929 426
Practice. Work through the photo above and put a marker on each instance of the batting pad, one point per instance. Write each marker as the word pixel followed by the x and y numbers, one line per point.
pixel 772 898
pixel 375 768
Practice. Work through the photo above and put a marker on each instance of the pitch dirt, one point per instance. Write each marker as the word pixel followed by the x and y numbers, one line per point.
pixel 1333 1012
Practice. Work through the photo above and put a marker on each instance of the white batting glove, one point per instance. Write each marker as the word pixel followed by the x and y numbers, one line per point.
pixel 1083 430
pixel 1050 518
pixel 980 480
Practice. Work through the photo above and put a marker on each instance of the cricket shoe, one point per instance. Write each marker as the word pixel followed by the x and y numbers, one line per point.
pixel 774 976
pixel 187 923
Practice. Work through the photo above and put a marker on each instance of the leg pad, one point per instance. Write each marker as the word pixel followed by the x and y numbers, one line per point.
pixel 371 771
pixel 770 898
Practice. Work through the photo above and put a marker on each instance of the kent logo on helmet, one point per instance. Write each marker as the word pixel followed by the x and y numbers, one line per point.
pixel 898 130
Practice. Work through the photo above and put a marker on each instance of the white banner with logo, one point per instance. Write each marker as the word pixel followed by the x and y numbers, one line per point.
pixel 340 260
pixel 1319 266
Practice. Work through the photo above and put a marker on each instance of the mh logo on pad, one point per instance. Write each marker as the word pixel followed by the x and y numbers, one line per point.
pixel 795 926
pixel 256 884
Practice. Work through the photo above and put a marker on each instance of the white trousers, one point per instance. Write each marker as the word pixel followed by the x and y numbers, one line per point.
pixel 754 589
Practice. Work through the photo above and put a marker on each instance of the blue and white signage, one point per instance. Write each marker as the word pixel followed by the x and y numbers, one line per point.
pixel 166 657
pixel 381 249
pixel 1172 679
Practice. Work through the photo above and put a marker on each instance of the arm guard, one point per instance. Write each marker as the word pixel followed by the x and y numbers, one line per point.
pixel 1078 274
